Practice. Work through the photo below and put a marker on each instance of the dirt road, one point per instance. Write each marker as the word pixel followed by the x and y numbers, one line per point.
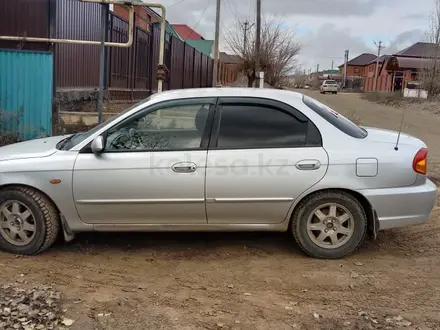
pixel 248 281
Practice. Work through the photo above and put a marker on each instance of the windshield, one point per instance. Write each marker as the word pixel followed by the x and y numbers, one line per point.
pixel 335 118
pixel 330 82
pixel 77 138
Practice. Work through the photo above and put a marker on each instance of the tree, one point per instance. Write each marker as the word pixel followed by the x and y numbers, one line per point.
pixel 279 51
pixel 430 75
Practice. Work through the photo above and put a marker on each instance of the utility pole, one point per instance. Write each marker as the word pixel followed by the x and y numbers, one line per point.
pixel 317 68
pixel 216 42
pixel 247 27
pixel 379 48
pixel 331 73
pixel 102 50
pixel 345 67
pixel 260 75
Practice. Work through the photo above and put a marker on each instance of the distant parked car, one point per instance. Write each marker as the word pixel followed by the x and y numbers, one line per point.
pixel 329 86
pixel 230 159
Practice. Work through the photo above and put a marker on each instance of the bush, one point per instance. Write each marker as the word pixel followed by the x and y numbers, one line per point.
pixel 9 126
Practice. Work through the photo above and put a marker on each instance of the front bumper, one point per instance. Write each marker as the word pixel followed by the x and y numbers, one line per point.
pixel 403 206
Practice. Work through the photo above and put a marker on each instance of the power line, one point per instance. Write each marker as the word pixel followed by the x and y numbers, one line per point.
pixel 176 3
pixel 234 10
pixel 201 17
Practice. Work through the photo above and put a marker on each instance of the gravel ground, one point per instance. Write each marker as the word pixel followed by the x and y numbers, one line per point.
pixel 234 281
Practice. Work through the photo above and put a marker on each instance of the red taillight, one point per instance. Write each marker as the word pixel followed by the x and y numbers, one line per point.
pixel 420 162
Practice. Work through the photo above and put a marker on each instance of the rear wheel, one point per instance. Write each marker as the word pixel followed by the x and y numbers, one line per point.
pixel 329 225
pixel 29 222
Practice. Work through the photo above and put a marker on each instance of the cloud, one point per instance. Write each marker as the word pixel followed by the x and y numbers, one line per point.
pixel 415 16
pixel 328 43
pixel 334 8
pixel 324 28
pixel 404 40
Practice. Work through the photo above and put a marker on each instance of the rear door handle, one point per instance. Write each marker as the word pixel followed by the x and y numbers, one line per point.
pixel 184 167
pixel 308 165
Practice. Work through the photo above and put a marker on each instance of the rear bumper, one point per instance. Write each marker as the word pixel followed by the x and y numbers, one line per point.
pixel 404 206
pixel 329 89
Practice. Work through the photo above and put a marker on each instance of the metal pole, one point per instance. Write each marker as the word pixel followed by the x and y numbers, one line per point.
pixel 245 36
pixel 258 46
pixel 161 67
pixel 345 68
pixel 379 48
pixel 104 20
pixel 216 42
pixel 331 73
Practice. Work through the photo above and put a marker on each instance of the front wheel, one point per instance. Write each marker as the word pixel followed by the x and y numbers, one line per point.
pixel 329 225
pixel 29 222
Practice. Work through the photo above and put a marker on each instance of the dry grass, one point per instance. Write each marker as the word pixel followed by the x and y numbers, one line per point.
pixel 354 117
pixel 398 101
pixel 392 99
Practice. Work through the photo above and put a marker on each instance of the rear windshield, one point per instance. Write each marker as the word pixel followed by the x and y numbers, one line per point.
pixel 330 82
pixel 335 118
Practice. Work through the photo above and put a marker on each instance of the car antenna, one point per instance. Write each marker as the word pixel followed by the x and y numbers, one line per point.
pixel 400 129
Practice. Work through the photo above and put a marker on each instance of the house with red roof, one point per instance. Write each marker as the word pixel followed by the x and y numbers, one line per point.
pixel 186 32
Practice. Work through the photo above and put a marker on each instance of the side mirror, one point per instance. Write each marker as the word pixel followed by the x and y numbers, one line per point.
pixel 98 145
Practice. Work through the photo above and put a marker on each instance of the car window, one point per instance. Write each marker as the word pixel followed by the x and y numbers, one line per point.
pixel 330 82
pixel 335 118
pixel 76 139
pixel 256 126
pixel 176 127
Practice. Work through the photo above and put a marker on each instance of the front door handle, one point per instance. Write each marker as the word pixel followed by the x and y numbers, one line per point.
pixel 308 165
pixel 184 167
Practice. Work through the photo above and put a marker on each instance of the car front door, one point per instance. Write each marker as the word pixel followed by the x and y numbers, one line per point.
pixel 263 154
pixel 152 170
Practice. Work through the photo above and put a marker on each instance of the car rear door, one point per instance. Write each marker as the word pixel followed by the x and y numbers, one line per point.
pixel 262 155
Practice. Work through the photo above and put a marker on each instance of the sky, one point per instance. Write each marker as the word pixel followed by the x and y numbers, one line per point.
pixel 324 28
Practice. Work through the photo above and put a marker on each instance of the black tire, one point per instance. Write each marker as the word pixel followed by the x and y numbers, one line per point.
pixel 46 219
pixel 306 207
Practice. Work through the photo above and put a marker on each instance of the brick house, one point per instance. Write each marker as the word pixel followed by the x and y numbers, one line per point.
pixel 402 67
pixel 145 16
pixel 356 67
pixel 383 76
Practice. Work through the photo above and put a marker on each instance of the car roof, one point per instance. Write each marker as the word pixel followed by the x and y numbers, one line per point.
pixel 227 92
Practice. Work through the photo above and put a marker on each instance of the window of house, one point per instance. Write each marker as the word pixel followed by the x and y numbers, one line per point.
pixel 176 127
pixel 356 70
pixel 257 126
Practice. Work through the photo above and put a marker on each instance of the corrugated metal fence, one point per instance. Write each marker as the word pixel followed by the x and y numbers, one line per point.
pixel 25 18
pixel 26 93
pixel 131 73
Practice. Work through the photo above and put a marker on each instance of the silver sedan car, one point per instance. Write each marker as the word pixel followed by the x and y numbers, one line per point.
pixel 329 86
pixel 226 159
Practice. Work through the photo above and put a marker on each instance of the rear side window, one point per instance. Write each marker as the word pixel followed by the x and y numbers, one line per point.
pixel 335 118
pixel 257 126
